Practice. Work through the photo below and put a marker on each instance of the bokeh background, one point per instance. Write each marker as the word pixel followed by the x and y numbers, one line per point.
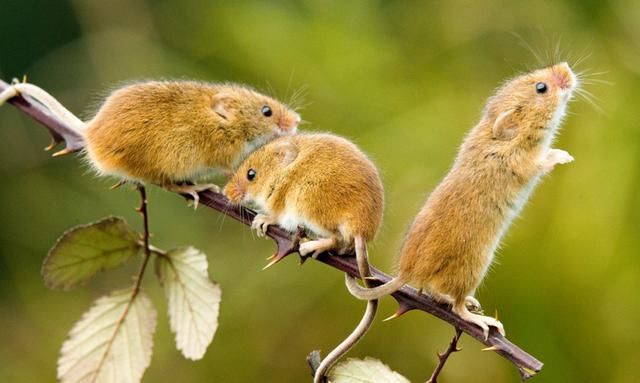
pixel 404 80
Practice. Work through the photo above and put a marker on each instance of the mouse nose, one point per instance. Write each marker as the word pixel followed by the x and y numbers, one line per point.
pixel 563 76
pixel 289 123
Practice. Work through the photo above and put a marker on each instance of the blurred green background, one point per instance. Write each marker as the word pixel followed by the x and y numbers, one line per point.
pixel 404 80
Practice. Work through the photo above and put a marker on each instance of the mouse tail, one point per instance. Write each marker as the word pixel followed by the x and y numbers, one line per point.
pixel 362 258
pixel 346 345
pixel 368 293
pixel 44 98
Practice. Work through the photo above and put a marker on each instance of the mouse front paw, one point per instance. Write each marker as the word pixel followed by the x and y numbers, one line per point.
pixel 261 224
pixel 554 157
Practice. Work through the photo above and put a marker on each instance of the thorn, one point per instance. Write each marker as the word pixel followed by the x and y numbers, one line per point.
pixel 492 348
pixel 529 371
pixel 62 152
pixel 24 78
pixel 275 258
pixel 401 310
pixel 117 184
pixel 51 145
pixel 272 256
pixel 458 349
pixel 138 209
pixel 496 314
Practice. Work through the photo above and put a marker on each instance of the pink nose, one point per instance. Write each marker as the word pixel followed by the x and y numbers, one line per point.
pixel 563 75
pixel 289 124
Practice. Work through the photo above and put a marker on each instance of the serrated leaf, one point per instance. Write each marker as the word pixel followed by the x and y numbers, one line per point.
pixel 193 300
pixel 369 370
pixel 84 250
pixel 112 341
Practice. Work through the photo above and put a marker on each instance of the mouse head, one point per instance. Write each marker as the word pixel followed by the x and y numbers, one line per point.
pixel 261 174
pixel 259 115
pixel 532 103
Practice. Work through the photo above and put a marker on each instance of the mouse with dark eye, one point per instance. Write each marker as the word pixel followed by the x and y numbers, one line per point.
pixel 452 241
pixel 325 184
pixel 172 133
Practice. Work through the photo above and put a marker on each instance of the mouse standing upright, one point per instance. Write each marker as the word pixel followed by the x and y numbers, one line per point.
pixel 451 243
pixel 171 133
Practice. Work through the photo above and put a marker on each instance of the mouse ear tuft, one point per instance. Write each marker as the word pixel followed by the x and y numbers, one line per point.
pixel 504 128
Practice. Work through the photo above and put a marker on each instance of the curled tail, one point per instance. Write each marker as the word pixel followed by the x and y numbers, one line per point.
pixel 368 293
pixel 366 321
pixel 44 98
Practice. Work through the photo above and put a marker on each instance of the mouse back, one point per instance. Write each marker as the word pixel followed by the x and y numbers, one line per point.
pixel 320 179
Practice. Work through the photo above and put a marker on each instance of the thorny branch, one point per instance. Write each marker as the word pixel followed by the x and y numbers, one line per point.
pixel 442 357
pixel 407 297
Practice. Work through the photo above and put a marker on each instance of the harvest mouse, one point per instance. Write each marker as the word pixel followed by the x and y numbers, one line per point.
pixel 325 184
pixel 452 241
pixel 171 133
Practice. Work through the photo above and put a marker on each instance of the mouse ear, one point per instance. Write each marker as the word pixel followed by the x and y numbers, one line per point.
pixel 287 152
pixel 504 128
pixel 222 105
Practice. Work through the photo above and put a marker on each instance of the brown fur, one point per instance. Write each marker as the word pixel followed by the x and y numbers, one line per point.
pixel 451 242
pixel 168 131
pixel 323 183
pixel 324 180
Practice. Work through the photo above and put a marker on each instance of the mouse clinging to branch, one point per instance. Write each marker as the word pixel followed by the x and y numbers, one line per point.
pixel 326 185
pixel 171 133
pixel 451 243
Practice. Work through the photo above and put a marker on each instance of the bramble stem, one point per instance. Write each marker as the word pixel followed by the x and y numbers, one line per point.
pixel 442 357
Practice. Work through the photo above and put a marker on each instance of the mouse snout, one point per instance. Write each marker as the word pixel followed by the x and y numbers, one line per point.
pixel 563 76
pixel 288 122
pixel 234 191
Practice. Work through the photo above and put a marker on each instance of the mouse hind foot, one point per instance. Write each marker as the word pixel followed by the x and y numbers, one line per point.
pixel 472 303
pixel 192 190
pixel 482 321
pixel 317 246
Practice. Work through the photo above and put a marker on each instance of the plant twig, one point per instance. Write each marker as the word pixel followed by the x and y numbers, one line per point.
pixel 145 236
pixel 442 357
pixel 407 297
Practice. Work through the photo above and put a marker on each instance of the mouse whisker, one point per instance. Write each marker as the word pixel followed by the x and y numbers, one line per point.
pixel 590 98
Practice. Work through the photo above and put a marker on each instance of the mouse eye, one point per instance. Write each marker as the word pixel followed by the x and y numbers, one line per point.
pixel 541 87
pixel 251 174
pixel 266 111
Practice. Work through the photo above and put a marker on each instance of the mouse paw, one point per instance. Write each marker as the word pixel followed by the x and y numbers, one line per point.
pixel 261 223
pixel 192 190
pixel 554 157
pixel 473 304
pixel 482 321
pixel 316 247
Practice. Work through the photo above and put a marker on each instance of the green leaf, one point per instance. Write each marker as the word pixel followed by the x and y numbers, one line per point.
pixel 369 370
pixel 111 343
pixel 193 300
pixel 83 251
